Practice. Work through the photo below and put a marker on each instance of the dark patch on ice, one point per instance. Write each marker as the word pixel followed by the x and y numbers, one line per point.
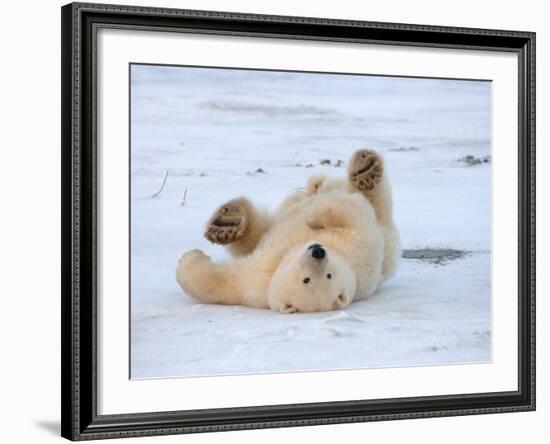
pixel 404 149
pixel 435 348
pixel 337 163
pixel 256 171
pixel 470 160
pixel 439 256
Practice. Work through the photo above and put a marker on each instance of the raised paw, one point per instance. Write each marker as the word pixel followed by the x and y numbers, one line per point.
pixel 229 222
pixel 365 169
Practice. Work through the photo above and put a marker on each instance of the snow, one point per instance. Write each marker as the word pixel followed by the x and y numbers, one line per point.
pixel 212 129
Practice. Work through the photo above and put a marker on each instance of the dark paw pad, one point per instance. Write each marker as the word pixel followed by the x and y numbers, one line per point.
pixel 228 223
pixel 366 169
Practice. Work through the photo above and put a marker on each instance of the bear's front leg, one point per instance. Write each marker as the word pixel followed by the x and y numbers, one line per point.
pixel 238 225
pixel 229 222
pixel 207 281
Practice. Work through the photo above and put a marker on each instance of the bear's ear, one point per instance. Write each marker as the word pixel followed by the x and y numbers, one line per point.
pixel 287 308
pixel 342 300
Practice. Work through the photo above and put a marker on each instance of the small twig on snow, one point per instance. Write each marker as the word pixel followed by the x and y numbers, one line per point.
pixel 184 197
pixel 162 185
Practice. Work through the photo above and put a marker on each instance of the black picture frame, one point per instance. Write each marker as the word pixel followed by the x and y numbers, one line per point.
pixel 79 211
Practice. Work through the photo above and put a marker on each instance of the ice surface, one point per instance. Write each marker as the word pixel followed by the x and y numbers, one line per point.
pixel 213 129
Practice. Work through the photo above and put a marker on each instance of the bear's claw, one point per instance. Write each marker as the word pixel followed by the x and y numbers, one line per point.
pixel 365 169
pixel 228 223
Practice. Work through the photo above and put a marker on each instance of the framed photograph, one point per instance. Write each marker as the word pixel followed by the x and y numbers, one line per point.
pixel 280 221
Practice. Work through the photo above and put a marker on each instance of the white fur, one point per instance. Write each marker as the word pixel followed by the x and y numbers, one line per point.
pixel 355 228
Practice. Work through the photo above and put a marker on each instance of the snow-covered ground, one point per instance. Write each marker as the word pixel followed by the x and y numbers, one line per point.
pixel 213 129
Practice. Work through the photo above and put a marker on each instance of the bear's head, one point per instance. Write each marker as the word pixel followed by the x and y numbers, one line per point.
pixel 312 278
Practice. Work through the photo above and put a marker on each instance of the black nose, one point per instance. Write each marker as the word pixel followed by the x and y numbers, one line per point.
pixel 318 252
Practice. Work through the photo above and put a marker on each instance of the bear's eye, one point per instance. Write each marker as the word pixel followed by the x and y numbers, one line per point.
pixel 329 276
pixel 306 280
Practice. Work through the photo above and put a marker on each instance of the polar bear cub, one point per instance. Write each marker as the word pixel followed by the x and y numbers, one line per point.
pixel 327 245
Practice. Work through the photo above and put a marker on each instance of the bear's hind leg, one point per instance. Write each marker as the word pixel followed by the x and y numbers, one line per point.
pixel 238 225
pixel 366 174
pixel 365 170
